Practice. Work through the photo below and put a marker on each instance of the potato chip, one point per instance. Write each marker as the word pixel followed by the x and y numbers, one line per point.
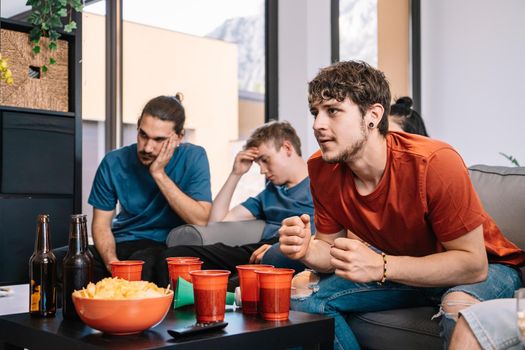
pixel 118 288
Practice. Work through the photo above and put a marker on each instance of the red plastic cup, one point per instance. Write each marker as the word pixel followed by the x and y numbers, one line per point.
pixel 182 258
pixel 181 268
pixel 209 291
pixel 130 270
pixel 274 293
pixel 249 286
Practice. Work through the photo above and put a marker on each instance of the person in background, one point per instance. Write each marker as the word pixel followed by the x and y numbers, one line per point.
pixel 276 147
pixel 159 183
pixel 404 118
pixel 398 221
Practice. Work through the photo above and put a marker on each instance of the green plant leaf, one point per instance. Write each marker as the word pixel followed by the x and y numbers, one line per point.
pixel 62 3
pixel 44 26
pixel 34 19
pixel 54 35
pixel 510 158
pixel 52 60
pixel 76 4
pixel 68 28
pixel 62 12
pixel 52 45
pixel 55 22
pixel 34 35
pixel 36 49
pixel 44 69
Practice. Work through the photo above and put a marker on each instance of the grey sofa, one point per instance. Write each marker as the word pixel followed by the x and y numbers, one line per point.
pixel 232 233
pixel 502 192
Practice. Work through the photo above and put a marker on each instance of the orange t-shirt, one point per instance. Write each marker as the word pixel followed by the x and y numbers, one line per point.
pixel 424 197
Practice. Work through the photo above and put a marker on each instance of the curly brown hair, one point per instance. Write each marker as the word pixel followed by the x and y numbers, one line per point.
pixel 357 80
pixel 277 132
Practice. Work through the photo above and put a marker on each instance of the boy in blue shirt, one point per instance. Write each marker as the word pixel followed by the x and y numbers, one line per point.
pixel 159 182
pixel 276 148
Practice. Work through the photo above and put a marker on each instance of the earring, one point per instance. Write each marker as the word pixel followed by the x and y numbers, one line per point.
pixel 371 125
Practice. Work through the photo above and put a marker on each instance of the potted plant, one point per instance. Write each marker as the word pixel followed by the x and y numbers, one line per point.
pixel 49 18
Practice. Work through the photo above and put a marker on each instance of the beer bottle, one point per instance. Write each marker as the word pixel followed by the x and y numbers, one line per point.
pixel 77 264
pixel 42 273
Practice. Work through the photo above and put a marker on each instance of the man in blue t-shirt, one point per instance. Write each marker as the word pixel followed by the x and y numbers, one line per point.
pixel 277 149
pixel 159 182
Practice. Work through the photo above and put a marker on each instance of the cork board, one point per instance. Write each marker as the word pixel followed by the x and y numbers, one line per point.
pixel 32 88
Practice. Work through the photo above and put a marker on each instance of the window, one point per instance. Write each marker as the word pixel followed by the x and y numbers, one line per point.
pixel 358 31
pixel 211 51
pixel 93 96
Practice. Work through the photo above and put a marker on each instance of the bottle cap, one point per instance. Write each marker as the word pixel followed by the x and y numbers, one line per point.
pixel 78 217
pixel 43 218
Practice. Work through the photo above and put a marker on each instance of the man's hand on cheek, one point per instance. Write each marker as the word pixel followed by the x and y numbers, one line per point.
pixel 165 154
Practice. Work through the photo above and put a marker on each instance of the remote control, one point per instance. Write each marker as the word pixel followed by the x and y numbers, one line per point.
pixel 196 329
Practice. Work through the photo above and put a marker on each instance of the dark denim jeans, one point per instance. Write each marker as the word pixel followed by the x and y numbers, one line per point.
pixel 142 249
pixel 337 297
pixel 275 257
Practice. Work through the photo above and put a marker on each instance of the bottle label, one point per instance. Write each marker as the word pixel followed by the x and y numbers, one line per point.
pixel 35 297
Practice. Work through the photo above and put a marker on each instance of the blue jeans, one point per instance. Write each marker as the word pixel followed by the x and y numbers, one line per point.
pixel 337 297
pixel 275 257
pixel 494 324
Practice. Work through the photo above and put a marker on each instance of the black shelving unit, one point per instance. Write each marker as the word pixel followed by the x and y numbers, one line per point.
pixel 40 168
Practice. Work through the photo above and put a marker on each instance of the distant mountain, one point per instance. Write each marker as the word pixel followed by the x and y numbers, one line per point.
pixel 248 34
pixel 357 35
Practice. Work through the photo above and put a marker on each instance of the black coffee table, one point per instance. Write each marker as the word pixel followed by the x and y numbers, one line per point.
pixel 243 332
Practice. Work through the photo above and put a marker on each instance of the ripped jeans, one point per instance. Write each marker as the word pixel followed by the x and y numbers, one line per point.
pixel 337 297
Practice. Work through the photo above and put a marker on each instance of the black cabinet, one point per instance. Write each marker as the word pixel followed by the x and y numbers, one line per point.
pixel 37 153
pixel 18 231
pixel 38 175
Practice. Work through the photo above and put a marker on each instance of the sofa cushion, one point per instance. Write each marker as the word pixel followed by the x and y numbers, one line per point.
pixel 231 233
pixel 184 235
pixel 410 328
pixel 502 192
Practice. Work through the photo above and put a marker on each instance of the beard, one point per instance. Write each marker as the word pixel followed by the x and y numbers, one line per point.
pixel 146 158
pixel 349 153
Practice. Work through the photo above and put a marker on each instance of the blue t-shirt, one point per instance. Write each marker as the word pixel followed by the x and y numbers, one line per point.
pixel 276 203
pixel 145 213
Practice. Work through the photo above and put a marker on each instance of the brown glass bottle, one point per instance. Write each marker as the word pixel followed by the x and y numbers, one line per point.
pixel 42 273
pixel 77 265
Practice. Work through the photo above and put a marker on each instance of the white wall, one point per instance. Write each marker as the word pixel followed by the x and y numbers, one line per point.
pixel 304 48
pixel 473 74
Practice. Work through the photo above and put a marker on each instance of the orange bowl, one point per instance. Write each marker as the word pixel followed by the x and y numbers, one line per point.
pixel 123 316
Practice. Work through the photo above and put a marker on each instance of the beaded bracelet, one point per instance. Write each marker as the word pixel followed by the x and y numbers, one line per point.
pixel 383 280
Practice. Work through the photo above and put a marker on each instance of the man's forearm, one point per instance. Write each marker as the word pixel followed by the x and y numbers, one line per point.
pixel 318 256
pixel 221 203
pixel 447 268
pixel 191 211
pixel 105 243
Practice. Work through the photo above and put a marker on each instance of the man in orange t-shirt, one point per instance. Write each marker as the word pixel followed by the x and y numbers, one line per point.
pixel 393 208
